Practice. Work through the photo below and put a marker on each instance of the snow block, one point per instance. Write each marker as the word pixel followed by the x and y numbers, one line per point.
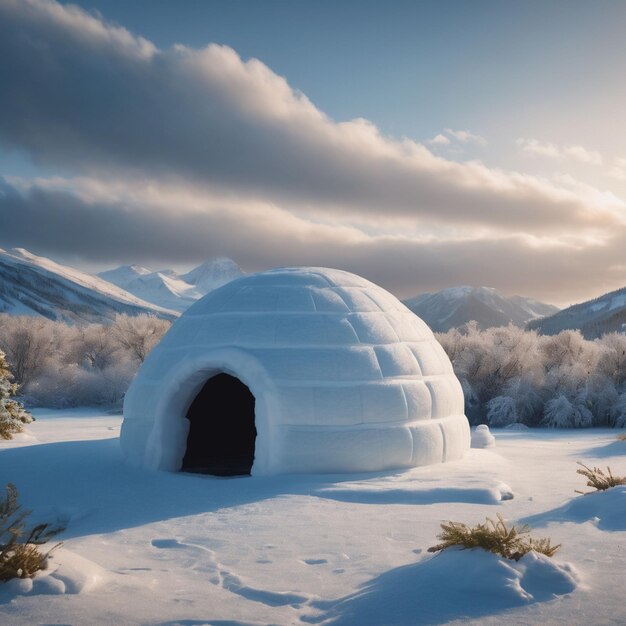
pixel 345 378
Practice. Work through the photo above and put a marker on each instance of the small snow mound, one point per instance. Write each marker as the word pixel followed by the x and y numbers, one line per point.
pixel 67 573
pixel 455 584
pixel 76 573
pixel 506 493
pixel 482 437
pixel 542 579
pixel 604 509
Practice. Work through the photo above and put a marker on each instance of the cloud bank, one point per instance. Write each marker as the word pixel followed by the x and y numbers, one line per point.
pixel 553 151
pixel 155 224
pixel 186 153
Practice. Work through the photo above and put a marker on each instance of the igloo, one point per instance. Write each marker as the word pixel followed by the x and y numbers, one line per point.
pixel 295 370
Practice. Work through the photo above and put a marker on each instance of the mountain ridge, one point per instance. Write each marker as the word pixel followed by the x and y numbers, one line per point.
pixel 34 285
pixel 167 288
pixel 455 306
pixel 595 317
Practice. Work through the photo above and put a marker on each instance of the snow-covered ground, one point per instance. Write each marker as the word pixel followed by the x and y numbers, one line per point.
pixel 146 547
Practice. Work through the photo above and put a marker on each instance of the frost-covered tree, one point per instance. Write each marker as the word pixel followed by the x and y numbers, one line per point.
pixel 502 411
pixel 509 374
pixel 561 412
pixel 613 359
pixel 12 414
pixel 64 365
pixel 27 342
pixel 139 334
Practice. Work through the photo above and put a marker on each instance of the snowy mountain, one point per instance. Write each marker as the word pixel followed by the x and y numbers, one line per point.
pixel 124 275
pixel 593 318
pixel 456 306
pixel 33 285
pixel 167 289
pixel 212 274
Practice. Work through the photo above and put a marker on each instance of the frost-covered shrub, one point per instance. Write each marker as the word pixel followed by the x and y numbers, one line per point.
pixel 510 375
pixel 138 334
pixel 613 360
pixel 27 343
pixel 63 366
pixel 502 411
pixel 12 413
pixel 561 412
pixel 76 385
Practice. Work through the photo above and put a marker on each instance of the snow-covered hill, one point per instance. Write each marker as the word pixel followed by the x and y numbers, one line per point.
pixel 167 289
pixel 456 306
pixel 34 285
pixel 605 314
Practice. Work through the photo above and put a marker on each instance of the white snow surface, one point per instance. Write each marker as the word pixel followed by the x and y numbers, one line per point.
pixel 345 377
pixel 145 547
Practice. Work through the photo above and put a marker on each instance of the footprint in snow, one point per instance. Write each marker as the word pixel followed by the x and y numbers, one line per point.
pixel 197 560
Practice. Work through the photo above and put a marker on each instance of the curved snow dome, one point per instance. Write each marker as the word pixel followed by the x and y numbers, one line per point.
pixel 295 370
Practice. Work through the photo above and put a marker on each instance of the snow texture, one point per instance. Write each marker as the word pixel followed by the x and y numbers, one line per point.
pixel 345 377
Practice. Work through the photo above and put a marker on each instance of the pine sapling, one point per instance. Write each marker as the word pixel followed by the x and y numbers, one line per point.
pixel 20 556
pixel 12 414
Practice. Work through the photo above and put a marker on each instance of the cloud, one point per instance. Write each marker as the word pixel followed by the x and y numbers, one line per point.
pixel 142 223
pixel 464 136
pixel 618 170
pixel 439 140
pixel 180 154
pixel 92 97
pixel 553 151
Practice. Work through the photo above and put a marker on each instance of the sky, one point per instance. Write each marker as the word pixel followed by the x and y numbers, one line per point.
pixel 422 145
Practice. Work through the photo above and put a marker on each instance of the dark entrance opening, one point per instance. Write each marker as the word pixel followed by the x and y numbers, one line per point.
pixel 222 431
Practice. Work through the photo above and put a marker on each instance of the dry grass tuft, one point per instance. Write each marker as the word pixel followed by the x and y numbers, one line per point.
pixel 20 556
pixel 597 479
pixel 494 536
pixel 622 437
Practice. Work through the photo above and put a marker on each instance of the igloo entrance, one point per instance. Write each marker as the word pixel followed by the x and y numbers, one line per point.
pixel 222 431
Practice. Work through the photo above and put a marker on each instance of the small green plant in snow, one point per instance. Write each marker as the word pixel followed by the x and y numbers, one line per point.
pixel 597 479
pixel 20 555
pixel 494 536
